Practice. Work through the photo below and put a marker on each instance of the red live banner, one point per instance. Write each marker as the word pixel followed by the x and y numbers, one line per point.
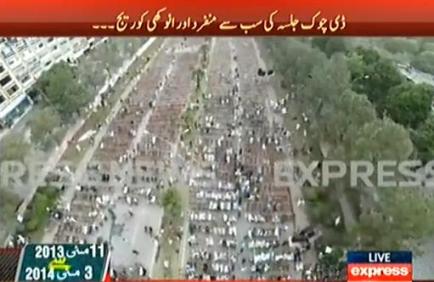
pixel 223 17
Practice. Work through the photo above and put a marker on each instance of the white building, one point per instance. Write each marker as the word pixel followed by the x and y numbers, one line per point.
pixel 22 61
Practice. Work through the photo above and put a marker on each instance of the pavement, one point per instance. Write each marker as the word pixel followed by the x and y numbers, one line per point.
pixel 301 218
pixel 129 235
pixel 125 229
pixel 236 70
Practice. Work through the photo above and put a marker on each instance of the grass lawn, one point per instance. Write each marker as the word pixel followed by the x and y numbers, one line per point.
pixel 38 212
pixel 172 225
pixel 169 251
pixel 73 157
pixel 192 115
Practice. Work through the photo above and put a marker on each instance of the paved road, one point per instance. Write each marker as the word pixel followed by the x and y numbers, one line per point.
pixel 236 60
pixel 190 168
pixel 301 219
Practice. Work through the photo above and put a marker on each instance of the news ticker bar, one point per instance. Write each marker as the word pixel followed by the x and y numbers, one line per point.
pixel 91 262
pixel 223 17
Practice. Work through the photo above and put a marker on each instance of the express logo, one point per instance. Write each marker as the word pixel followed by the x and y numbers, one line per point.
pixel 372 271
pixel 380 272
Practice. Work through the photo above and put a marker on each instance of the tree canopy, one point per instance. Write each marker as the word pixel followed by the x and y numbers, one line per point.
pixel 423 139
pixel 409 104
pixel 345 97
pixel 62 91
pixel 402 219
pixel 294 59
pixel 43 124
pixel 401 45
pixel 424 62
pixel 383 139
pixel 373 75
pixel 329 45
pixel 172 203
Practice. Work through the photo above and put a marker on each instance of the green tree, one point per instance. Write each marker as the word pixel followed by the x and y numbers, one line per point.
pixel 327 82
pixel 423 140
pixel 62 90
pixel 38 211
pixel 294 60
pixel 346 125
pixel 352 132
pixel 198 76
pixel 409 104
pixel 172 203
pixel 373 75
pixel 400 222
pixel 43 124
pixel 204 53
pixel 424 62
pixel 330 45
pixel 382 139
pixel 351 113
pixel 401 45
pixel 332 105
pixel 14 147
pixel 426 44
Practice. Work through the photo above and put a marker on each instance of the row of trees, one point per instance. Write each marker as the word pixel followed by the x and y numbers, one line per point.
pixel 61 93
pixel 347 125
pixel 418 52
pixel 405 102
pixel 65 90
pixel 393 96
pixel 61 89
pixel 38 212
